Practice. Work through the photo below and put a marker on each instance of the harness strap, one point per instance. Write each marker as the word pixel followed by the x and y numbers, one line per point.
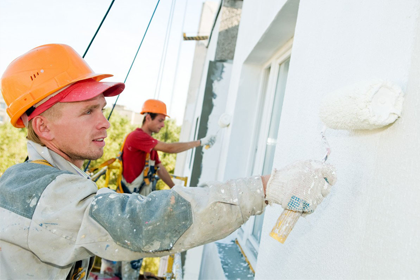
pixel 120 171
pixel 146 170
pixel 106 163
pixel 119 157
pixel 41 161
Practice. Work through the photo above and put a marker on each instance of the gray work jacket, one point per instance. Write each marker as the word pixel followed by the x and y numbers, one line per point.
pixel 51 217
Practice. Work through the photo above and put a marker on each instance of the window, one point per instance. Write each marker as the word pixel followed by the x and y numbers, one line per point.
pixel 1 119
pixel 271 141
pixel 2 105
pixel 272 90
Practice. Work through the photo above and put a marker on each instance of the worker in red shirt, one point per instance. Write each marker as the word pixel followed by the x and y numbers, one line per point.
pixel 140 158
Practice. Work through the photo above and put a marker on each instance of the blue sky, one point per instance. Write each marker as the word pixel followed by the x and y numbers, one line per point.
pixel 25 24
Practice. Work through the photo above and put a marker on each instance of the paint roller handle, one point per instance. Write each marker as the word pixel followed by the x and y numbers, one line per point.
pixel 284 225
pixel 208 141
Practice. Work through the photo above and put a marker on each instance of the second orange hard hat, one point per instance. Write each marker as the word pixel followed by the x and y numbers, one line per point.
pixel 154 106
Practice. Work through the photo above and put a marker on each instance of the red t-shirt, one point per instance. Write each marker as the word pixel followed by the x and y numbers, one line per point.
pixel 137 145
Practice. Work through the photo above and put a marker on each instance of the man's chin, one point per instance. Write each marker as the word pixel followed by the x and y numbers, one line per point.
pixel 95 156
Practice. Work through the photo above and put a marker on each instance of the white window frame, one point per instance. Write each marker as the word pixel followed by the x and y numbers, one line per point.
pixel 267 89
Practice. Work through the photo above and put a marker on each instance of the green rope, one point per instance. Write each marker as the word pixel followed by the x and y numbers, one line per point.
pixel 131 66
pixel 99 27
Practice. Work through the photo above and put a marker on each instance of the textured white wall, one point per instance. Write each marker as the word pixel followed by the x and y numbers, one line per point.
pixel 368 228
pixel 257 15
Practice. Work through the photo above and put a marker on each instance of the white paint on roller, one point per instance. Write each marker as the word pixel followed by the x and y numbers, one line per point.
pixel 224 120
pixel 364 106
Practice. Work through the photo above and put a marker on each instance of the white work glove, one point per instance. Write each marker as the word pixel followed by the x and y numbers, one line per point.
pixel 301 186
pixel 208 140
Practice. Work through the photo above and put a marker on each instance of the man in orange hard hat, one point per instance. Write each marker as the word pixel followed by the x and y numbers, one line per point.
pixel 53 218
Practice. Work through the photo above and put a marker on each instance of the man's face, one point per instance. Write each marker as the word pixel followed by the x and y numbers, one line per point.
pixel 157 124
pixel 80 131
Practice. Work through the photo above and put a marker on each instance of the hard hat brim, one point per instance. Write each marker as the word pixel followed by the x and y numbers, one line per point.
pixel 80 91
pixel 88 89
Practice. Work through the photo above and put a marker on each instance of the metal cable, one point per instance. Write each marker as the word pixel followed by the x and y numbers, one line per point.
pixel 99 27
pixel 164 50
pixel 177 61
pixel 131 66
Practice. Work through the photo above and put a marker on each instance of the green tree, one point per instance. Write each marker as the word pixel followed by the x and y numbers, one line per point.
pixel 12 146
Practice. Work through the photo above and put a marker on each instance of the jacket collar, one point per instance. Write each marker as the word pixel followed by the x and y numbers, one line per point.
pixel 38 152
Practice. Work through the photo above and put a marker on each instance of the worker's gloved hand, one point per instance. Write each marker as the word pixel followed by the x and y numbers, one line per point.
pixel 301 186
pixel 208 140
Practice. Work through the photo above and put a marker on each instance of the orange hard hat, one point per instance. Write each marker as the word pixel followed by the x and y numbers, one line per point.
pixel 154 106
pixel 40 72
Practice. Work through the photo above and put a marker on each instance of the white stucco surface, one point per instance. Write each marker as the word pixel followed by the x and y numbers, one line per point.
pixel 368 227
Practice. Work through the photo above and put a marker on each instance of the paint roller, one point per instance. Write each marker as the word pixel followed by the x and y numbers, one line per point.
pixel 224 121
pixel 365 106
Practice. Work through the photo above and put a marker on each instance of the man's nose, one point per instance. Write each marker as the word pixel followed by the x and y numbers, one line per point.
pixel 104 123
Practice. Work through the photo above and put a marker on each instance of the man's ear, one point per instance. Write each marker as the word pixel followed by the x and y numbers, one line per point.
pixel 148 117
pixel 42 128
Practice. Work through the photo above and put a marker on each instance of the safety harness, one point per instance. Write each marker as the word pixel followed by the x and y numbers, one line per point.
pixel 144 180
pixel 149 171
pixel 147 177
pixel 41 161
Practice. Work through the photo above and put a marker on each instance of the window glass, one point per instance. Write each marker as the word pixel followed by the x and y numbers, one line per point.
pixel 271 141
pixel 273 85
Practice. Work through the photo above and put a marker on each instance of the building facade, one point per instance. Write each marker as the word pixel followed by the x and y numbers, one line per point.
pixel 267 65
pixel 134 117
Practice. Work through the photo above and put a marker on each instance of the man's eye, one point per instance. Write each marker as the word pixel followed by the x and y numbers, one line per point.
pixel 88 112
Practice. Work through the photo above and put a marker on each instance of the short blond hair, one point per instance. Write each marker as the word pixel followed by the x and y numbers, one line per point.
pixel 32 135
pixel 52 113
